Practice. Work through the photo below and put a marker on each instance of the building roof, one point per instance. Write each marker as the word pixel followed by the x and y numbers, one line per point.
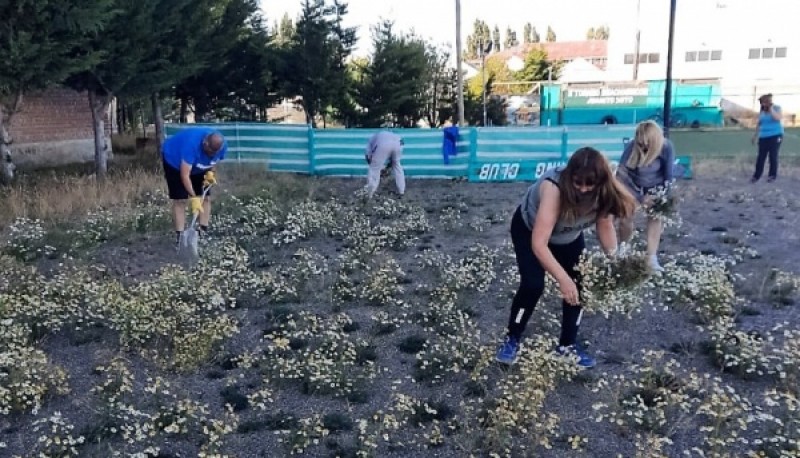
pixel 580 71
pixel 558 50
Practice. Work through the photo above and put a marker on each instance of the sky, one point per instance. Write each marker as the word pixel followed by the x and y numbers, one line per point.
pixel 435 19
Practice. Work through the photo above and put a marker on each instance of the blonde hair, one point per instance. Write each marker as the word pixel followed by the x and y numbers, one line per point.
pixel 649 134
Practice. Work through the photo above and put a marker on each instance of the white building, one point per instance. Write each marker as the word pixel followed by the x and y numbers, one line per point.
pixel 752 46
pixel 581 71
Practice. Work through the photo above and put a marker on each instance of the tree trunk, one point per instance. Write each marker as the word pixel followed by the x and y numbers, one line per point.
pixel 121 118
pixel 5 151
pixel 144 122
pixel 459 75
pixel 310 115
pixel 184 110
pixel 99 105
pixel 158 120
pixel 6 113
pixel 433 121
pixel 131 119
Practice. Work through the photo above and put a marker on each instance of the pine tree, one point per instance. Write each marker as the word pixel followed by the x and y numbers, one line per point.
pixel 41 43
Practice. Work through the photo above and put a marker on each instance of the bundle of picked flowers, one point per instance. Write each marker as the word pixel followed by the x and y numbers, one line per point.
pixel 613 284
pixel 661 202
pixel 386 170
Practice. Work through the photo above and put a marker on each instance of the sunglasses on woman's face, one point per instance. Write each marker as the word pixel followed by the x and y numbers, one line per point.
pixel 643 146
pixel 583 183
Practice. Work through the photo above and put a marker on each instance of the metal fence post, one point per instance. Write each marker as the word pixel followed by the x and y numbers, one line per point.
pixel 238 144
pixel 311 161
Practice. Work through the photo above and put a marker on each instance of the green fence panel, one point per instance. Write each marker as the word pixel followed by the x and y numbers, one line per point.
pixel 279 147
pixel 482 154
pixel 341 152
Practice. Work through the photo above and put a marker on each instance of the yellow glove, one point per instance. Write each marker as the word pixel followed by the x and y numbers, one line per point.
pixel 210 178
pixel 196 204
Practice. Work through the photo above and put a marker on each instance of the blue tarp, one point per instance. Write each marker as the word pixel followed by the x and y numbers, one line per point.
pixel 450 144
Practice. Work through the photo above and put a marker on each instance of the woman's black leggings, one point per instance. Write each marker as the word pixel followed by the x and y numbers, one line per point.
pixel 531 284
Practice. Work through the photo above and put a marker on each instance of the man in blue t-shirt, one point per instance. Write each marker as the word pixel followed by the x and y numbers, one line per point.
pixel 190 158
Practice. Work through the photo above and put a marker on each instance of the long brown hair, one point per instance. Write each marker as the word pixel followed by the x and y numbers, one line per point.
pixel 587 165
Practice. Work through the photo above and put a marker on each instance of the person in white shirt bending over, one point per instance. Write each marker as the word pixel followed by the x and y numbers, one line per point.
pixel 384 146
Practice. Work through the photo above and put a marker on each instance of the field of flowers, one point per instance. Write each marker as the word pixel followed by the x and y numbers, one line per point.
pixel 321 324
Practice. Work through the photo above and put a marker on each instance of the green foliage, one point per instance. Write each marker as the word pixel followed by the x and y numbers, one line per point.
pixel 239 72
pixel 316 70
pixel 285 29
pixel 394 84
pixel 496 72
pixel 537 65
pixel 527 33
pixel 44 41
pixel 122 47
pixel 440 93
pixel 171 48
pixel 511 38
pixel 599 33
pixel 495 108
pixel 551 34
pixel 480 34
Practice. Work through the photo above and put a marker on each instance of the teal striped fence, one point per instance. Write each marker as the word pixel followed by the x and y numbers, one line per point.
pixel 283 148
pixel 483 154
pixel 341 152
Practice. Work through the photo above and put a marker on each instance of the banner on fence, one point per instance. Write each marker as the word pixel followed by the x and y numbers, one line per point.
pixel 491 154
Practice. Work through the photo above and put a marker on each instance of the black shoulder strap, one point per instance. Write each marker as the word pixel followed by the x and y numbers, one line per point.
pixel 552 180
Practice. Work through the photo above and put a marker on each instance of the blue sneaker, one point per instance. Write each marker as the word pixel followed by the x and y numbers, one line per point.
pixel 584 359
pixel 507 353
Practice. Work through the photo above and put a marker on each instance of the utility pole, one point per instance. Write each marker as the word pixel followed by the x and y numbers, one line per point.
pixel 549 93
pixel 484 49
pixel 668 89
pixel 638 42
pixel 459 76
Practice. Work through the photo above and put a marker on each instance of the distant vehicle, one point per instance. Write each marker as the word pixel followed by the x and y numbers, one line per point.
pixel 695 103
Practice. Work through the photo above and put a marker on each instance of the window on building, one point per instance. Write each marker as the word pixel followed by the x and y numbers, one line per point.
pixel 780 52
pixel 767 53
pixel 716 55
pixel 653 58
pixel 691 56
pixel 702 56
pixel 628 59
pixel 755 53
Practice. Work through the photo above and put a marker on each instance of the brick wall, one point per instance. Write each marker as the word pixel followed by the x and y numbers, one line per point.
pixel 57 114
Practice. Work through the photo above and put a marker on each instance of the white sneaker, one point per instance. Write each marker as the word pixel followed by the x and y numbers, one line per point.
pixel 654 265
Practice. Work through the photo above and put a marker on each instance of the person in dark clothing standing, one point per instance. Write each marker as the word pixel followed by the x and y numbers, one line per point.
pixel 769 134
pixel 547 233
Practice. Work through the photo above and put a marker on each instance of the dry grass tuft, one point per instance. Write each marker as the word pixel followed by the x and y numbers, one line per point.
pixel 57 196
